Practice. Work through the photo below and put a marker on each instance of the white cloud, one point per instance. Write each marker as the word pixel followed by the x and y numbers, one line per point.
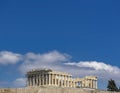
pixel 96 66
pixel 51 60
pixel 60 62
pixel 9 57
pixel 20 82
pixel 103 71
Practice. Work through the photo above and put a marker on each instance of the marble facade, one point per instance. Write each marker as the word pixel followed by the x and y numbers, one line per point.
pixel 48 77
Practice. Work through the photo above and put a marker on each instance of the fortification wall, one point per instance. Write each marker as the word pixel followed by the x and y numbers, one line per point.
pixel 50 90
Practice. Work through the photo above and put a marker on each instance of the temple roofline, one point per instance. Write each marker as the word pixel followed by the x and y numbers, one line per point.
pixel 49 77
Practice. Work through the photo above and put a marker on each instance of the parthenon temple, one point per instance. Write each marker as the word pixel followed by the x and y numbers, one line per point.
pixel 48 77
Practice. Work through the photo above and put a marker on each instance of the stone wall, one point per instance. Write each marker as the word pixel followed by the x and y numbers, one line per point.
pixel 50 90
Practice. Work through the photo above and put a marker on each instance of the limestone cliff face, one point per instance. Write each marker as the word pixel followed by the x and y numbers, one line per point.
pixel 50 90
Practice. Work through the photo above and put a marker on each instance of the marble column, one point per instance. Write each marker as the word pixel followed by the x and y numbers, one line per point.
pixel 92 83
pixel 55 79
pixel 49 79
pixel 96 84
pixel 46 79
pixel 33 79
pixel 43 78
pixel 28 81
pixel 61 80
pixel 39 80
pixel 67 81
pixel 64 80
pixel 73 84
pixel 58 80
pixel 70 82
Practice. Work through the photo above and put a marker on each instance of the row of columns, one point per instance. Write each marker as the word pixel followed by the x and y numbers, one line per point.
pixel 91 83
pixel 51 80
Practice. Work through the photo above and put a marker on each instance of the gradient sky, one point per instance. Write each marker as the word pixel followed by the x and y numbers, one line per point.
pixel 87 30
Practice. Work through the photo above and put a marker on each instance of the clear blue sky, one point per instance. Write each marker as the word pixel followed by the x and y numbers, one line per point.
pixel 84 29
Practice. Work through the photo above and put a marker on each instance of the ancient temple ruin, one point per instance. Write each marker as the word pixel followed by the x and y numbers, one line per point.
pixel 48 77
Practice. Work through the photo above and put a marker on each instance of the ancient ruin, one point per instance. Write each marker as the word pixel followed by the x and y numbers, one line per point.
pixel 48 77
pixel 50 81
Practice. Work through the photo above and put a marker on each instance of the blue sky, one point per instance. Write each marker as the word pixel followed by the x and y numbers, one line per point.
pixel 86 30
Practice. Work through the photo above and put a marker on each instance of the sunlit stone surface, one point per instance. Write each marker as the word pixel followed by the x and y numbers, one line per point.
pixel 48 77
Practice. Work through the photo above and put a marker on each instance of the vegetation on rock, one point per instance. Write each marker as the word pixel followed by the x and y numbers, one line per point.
pixel 112 86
